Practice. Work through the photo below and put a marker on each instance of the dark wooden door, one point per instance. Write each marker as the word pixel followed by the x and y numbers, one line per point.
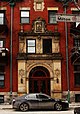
pixel 39 82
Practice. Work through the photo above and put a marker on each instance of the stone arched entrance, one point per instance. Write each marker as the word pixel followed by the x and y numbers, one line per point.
pixel 39 80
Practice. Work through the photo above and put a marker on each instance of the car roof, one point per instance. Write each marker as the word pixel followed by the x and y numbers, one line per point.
pixel 38 94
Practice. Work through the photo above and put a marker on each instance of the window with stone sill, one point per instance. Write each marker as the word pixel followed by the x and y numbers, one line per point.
pixel 24 17
pixel 52 17
pixel 31 46
pixel 2 17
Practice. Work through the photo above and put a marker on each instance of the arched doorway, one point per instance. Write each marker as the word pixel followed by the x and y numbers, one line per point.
pixel 39 80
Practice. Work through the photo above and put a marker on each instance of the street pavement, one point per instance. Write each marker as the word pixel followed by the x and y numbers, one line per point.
pixel 5 106
pixel 8 106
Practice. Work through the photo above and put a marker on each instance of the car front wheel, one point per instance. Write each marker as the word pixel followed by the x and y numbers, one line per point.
pixel 24 107
pixel 58 106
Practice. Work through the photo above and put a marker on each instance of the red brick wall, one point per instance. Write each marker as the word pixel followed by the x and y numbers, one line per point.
pixel 33 16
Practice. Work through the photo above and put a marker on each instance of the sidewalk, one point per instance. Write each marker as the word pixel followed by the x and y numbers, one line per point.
pixel 8 106
pixel 5 106
pixel 73 105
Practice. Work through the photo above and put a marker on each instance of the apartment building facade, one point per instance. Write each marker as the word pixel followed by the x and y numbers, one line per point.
pixel 33 49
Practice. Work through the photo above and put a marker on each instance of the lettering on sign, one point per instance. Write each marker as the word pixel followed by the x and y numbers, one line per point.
pixel 67 18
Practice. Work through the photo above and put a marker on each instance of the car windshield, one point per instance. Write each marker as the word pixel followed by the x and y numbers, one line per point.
pixel 20 97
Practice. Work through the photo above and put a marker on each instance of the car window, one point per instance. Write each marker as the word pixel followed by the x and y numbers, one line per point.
pixel 43 97
pixel 31 96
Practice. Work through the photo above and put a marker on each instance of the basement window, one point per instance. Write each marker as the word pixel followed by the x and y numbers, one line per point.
pixel 1 98
pixel 77 97
pixel 2 77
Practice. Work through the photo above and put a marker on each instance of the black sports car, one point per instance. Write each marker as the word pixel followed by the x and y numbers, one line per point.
pixel 38 101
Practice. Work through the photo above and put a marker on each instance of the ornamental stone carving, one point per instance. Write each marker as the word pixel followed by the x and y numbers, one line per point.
pixel 38 5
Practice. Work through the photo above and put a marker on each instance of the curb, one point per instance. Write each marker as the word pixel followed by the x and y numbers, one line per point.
pixel 74 105
pixel 5 106
pixel 9 106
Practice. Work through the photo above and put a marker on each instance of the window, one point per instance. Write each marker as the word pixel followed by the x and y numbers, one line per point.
pixel 77 79
pixel 1 43
pixel 77 97
pixel 31 96
pixel 77 0
pixel 2 76
pixel 75 26
pixel 1 80
pixel 52 17
pixel 31 45
pixel 1 98
pixel 77 42
pixel 47 46
pixel 25 16
pixel 2 17
pixel 43 97
pixel 76 23
pixel 76 68
pixel 1 69
pixel 77 75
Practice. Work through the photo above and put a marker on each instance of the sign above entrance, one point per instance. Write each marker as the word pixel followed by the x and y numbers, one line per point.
pixel 67 18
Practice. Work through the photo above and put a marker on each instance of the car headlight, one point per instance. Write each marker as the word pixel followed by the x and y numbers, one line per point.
pixel 66 101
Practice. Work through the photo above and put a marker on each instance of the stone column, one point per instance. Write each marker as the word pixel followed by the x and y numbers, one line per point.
pixel 21 76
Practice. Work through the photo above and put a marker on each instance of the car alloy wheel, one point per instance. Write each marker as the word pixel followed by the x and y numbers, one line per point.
pixel 24 107
pixel 58 106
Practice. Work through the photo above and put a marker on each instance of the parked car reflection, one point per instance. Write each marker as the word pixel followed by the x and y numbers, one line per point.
pixel 38 101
